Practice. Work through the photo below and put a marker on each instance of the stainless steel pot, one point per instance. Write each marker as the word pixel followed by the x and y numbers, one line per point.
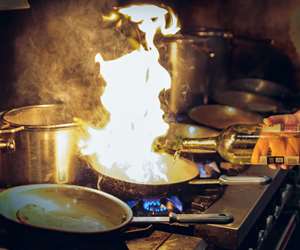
pixel 188 62
pixel 218 42
pixel 38 145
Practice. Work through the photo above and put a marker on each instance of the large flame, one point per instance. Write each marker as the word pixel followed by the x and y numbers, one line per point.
pixel 133 84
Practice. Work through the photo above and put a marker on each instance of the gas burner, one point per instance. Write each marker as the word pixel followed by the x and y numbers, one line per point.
pixel 156 206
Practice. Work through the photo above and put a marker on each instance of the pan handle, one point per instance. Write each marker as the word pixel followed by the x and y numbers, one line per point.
pixel 233 180
pixel 201 218
pixel 240 180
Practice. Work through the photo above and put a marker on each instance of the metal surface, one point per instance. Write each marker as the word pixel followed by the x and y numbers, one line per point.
pixel 44 148
pixel 248 101
pixel 218 43
pixel 186 60
pixel 246 203
pixel 64 208
pixel 260 87
pixel 222 116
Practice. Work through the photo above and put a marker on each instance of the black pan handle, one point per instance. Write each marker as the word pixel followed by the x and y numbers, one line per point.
pixel 201 218
pixel 233 180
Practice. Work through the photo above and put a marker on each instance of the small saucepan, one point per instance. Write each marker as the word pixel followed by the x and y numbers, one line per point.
pixel 68 214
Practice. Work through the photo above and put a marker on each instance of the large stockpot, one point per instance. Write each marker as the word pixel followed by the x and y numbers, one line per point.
pixel 38 145
pixel 188 64
pixel 198 62
pixel 219 43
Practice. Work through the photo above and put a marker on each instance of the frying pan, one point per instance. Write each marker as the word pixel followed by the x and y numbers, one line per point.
pixel 260 87
pixel 222 116
pixel 180 173
pixel 67 213
pixel 248 101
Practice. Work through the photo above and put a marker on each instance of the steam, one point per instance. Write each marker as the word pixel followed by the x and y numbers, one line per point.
pixel 55 55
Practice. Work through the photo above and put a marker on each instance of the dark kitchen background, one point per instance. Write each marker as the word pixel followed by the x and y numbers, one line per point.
pixel 47 55
pixel 47 52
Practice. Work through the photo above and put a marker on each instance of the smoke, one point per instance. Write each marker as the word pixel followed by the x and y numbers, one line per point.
pixel 55 55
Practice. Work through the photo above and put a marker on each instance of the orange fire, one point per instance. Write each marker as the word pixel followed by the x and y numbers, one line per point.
pixel 133 84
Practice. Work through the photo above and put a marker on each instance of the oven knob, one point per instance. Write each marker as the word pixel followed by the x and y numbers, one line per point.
pixel 277 212
pixel 261 237
pixel 288 187
pixel 284 198
pixel 269 224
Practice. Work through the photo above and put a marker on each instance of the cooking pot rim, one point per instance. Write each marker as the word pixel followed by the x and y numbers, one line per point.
pixel 122 204
pixel 28 126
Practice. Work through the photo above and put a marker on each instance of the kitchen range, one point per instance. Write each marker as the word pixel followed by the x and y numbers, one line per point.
pixel 130 126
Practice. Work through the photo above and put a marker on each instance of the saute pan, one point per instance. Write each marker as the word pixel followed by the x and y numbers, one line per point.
pixel 261 87
pixel 70 214
pixel 222 116
pixel 248 101
pixel 180 173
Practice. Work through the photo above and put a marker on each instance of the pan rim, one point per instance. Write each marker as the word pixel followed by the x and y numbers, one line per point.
pixel 191 163
pixel 126 208
pixel 192 114
pixel 69 124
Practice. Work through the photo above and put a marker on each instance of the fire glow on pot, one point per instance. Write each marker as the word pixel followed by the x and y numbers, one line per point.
pixel 133 84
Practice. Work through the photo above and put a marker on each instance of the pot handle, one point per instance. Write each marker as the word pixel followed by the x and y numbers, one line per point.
pixel 8 144
pixel 202 218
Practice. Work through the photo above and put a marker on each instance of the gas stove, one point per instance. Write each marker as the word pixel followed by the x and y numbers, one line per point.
pixel 197 201
pixel 256 210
